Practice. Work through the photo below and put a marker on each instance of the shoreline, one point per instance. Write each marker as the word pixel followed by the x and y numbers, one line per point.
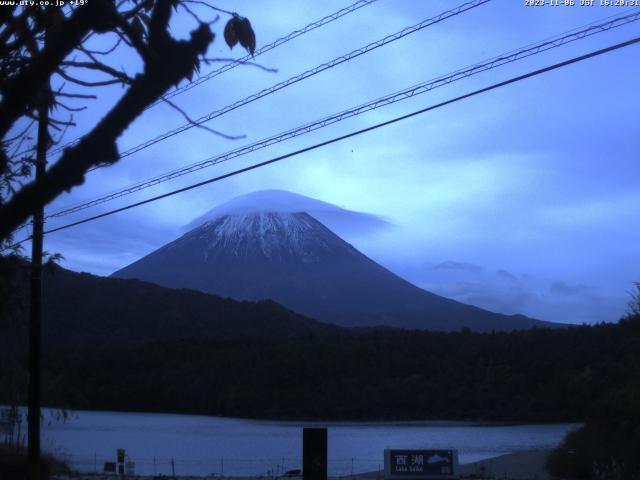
pixel 328 421
pixel 524 465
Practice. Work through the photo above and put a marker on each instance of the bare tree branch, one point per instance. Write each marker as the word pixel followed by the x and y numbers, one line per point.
pixel 103 52
pixel 15 137
pixel 205 4
pixel 61 122
pixel 84 83
pixel 27 64
pixel 76 95
pixel 200 125
pixel 132 39
pixel 70 109
pixel 96 65
pixel 98 147
pixel 190 12
pixel 18 91
pixel 135 10
pixel 243 62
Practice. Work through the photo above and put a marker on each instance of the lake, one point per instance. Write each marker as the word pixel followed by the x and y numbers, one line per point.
pixel 200 445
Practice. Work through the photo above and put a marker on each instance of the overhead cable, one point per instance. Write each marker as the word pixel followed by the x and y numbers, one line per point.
pixel 404 94
pixel 248 58
pixel 307 74
pixel 346 136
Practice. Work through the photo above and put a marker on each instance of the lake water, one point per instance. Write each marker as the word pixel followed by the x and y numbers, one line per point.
pixel 227 446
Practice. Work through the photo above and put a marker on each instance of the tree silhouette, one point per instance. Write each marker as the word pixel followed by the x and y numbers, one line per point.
pixel 40 46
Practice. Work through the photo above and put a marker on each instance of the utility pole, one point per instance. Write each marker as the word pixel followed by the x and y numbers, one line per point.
pixel 35 300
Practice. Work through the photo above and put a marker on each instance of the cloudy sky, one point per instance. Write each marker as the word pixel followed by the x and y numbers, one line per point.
pixel 521 200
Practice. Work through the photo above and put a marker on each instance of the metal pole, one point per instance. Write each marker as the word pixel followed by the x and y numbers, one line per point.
pixel 35 301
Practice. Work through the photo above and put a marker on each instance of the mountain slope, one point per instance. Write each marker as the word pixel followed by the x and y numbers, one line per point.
pixel 292 258
pixel 86 311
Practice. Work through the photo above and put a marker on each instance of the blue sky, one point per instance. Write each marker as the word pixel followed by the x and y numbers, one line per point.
pixel 521 200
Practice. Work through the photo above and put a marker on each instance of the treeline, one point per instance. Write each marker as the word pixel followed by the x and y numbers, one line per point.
pixel 85 311
pixel 538 375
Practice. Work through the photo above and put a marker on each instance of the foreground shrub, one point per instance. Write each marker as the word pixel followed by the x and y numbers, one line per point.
pixel 607 447
pixel 13 464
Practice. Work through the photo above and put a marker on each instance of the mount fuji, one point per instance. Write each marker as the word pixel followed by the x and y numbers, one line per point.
pixel 278 245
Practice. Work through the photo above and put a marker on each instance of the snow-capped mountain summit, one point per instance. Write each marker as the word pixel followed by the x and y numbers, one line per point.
pixel 342 221
pixel 254 236
pixel 251 250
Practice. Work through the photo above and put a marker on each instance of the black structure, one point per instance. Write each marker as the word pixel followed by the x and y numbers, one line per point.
pixel 314 453
pixel 35 303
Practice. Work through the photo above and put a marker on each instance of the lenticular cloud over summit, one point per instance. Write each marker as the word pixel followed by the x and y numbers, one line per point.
pixel 342 221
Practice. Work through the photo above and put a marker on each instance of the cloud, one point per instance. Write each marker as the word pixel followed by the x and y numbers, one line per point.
pixel 498 290
pixel 505 274
pixel 451 265
pixel 601 210
pixel 561 288
pixel 344 222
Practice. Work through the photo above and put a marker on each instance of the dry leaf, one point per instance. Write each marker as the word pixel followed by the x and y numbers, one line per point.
pixel 238 29
pixel 230 35
pixel 246 35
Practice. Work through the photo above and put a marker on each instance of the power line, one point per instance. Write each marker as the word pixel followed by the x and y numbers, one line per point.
pixel 296 33
pixel 410 92
pixel 349 135
pixel 230 66
pixel 307 74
